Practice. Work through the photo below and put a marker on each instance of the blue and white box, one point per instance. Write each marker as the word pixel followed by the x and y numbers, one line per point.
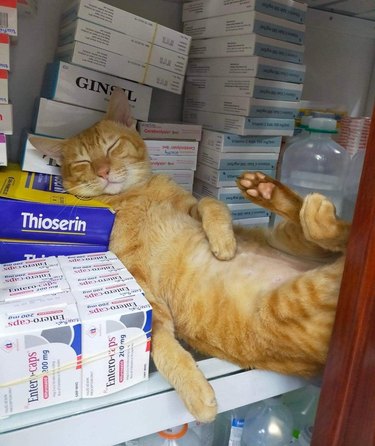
pixel 226 194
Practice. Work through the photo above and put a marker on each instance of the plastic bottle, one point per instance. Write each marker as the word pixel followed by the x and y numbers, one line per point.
pixel 317 163
pixel 175 436
pixel 305 437
pixel 303 404
pixel 352 184
pixel 268 423
pixel 204 431
pixel 229 427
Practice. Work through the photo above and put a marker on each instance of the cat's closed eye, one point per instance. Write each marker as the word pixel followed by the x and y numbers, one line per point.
pixel 79 167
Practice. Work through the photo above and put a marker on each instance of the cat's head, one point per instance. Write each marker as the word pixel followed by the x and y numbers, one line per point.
pixel 107 158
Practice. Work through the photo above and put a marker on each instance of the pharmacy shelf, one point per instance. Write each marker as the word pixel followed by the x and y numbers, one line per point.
pixel 145 408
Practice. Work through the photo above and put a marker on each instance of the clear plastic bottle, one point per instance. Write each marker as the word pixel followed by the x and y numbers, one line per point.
pixel 268 423
pixel 229 427
pixel 305 437
pixel 303 404
pixel 204 431
pixel 317 163
pixel 352 184
pixel 175 436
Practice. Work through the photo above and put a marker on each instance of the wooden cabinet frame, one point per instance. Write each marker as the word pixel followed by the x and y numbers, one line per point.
pixel 346 411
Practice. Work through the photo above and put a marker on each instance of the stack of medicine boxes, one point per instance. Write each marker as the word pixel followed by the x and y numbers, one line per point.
pixel 244 83
pixel 8 28
pixel 101 47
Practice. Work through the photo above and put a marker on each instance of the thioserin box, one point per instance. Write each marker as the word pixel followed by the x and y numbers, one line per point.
pixel 247 45
pixel 246 23
pixel 247 66
pixel 285 9
pixel 120 65
pixel 125 22
pixel 91 89
pixel 40 353
pixel 119 43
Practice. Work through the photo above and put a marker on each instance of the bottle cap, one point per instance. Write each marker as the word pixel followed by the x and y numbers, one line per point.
pixel 323 125
pixel 305 121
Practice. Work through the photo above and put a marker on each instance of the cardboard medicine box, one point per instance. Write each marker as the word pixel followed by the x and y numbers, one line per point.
pixel 116 42
pixel 9 22
pixel 117 19
pixel 226 194
pixel 170 130
pixel 91 89
pixel 40 352
pixel 247 66
pixel 245 23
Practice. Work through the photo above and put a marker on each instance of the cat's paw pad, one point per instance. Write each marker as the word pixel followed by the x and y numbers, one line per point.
pixel 224 247
pixel 256 185
pixel 318 217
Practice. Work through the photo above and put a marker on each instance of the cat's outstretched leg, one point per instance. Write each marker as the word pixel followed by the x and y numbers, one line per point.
pixel 217 224
pixel 178 366
pixel 311 226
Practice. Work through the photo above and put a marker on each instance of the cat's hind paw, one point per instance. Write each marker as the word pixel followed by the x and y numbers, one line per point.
pixel 256 186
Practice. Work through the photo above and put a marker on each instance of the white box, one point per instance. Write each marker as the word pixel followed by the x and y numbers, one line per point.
pixel 228 142
pixel 41 345
pixel 245 23
pixel 119 43
pixel 226 194
pixel 242 106
pixel 233 161
pixel 4 95
pixel 87 88
pixel 32 160
pixel 255 222
pixel 9 22
pixel 171 147
pixel 242 86
pixel 3 150
pixel 119 65
pixel 115 344
pixel 170 130
pixel 117 19
pixel 170 162
pixel 247 45
pixel 240 125
pixel 4 52
pixel 61 120
pixel 6 119
pixel 219 178
pixel 179 176
pixel 285 9
pixel 247 66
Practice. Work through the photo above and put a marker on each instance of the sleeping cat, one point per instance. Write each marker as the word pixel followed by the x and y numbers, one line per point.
pixel 259 299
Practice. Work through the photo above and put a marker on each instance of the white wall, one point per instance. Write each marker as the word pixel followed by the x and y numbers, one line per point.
pixel 339 57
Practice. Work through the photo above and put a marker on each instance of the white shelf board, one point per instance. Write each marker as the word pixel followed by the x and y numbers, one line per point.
pixel 145 408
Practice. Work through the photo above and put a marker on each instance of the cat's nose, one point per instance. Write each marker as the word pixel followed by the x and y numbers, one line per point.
pixel 103 172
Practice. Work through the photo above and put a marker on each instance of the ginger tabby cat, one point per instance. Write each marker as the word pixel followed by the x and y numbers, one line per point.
pixel 259 299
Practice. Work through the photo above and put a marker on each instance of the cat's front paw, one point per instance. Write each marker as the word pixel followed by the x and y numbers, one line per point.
pixel 201 402
pixel 224 247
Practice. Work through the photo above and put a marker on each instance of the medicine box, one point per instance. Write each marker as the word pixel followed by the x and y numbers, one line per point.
pixel 247 45
pixel 4 95
pixel 171 147
pixel 245 23
pixel 9 22
pixel 35 207
pixel 117 19
pixel 60 120
pixel 120 65
pixel 294 11
pixel 242 106
pixel 247 66
pixel 4 52
pixel 245 161
pixel 170 130
pixel 222 177
pixel 119 43
pixel 179 176
pixel 253 222
pixel 226 194
pixel 6 119
pixel 3 151
pixel 91 89
pixel 184 162
pixel 242 86
pixel 240 125
pixel 41 348
pixel 34 161
pixel 228 142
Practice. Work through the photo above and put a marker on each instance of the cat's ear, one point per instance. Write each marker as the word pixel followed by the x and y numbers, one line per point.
pixel 119 108
pixel 50 147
